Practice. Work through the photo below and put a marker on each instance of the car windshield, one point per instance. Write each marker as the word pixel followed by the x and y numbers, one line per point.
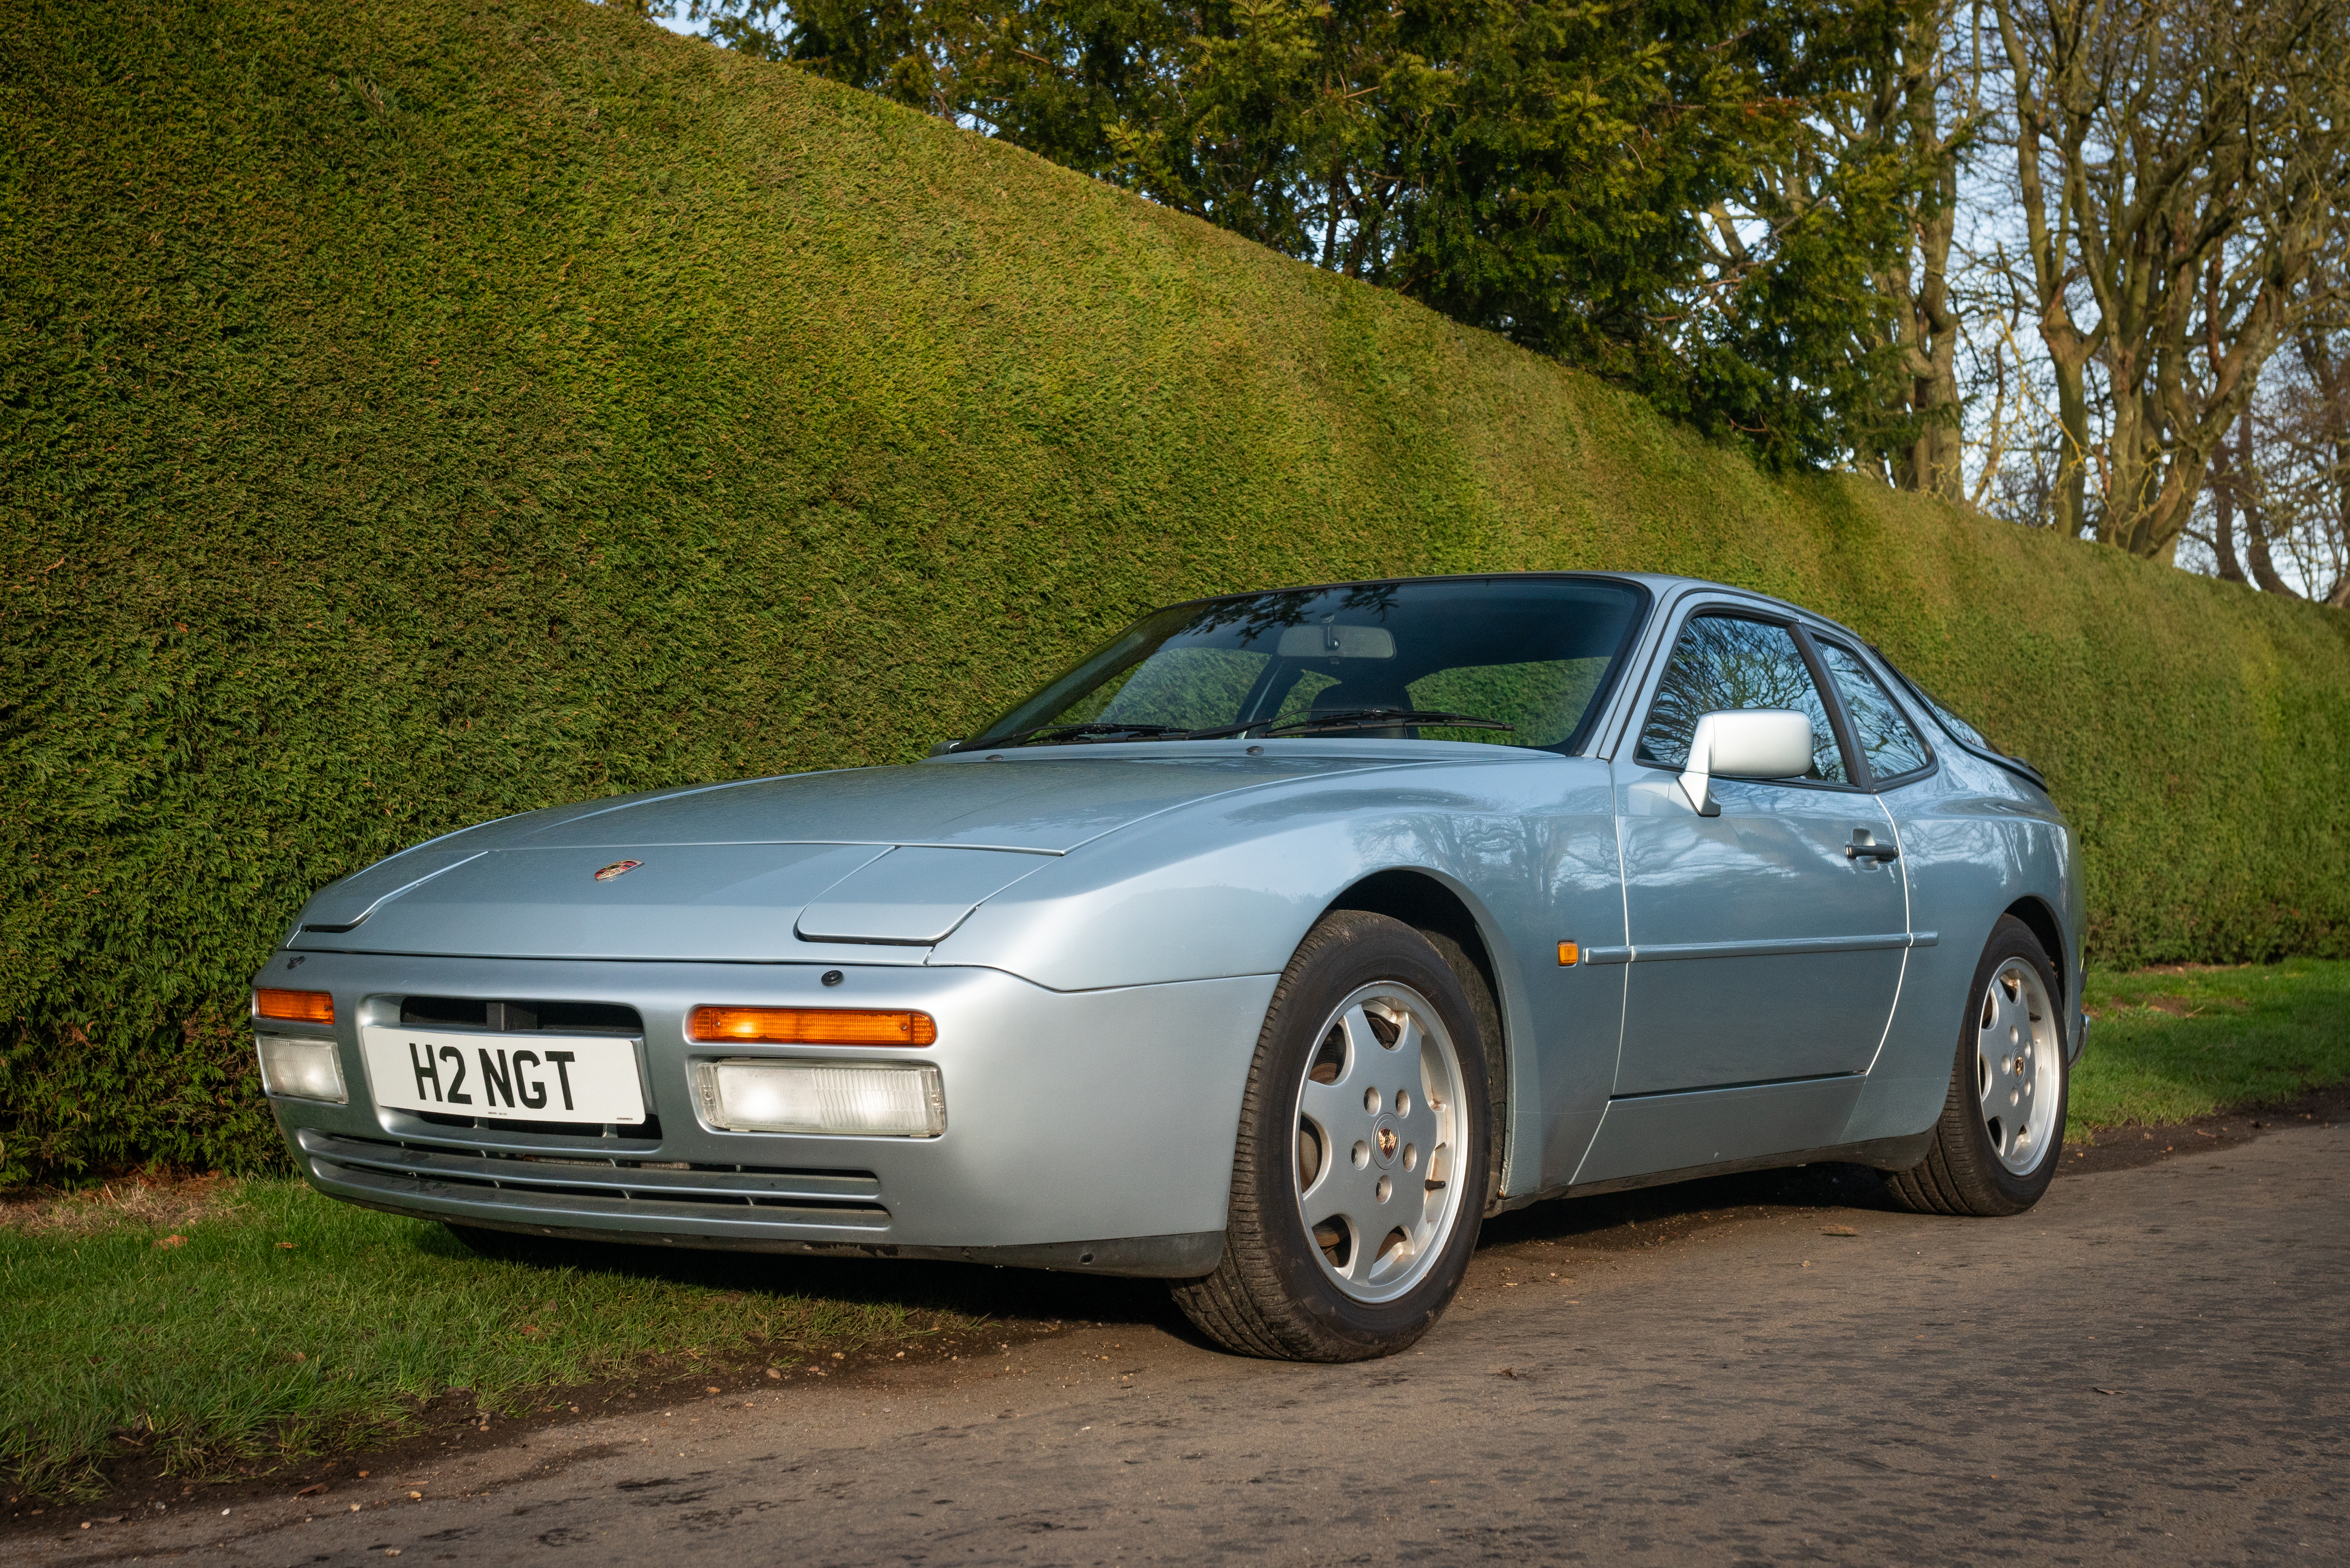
pixel 1526 658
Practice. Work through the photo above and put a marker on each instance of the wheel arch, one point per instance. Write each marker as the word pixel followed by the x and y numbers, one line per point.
pixel 1431 906
pixel 2035 912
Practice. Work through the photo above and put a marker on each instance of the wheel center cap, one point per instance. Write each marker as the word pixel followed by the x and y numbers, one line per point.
pixel 1383 1140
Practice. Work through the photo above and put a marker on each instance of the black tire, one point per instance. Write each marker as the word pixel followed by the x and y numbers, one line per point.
pixel 1482 1001
pixel 1271 1295
pixel 1962 1172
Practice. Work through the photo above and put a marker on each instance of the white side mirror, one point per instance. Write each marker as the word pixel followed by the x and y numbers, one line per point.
pixel 1749 743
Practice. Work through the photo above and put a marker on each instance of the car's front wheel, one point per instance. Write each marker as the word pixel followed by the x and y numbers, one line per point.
pixel 1359 1178
pixel 1994 1149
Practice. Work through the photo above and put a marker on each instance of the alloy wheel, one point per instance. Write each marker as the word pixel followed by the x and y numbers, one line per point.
pixel 2018 1061
pixel 1379 1142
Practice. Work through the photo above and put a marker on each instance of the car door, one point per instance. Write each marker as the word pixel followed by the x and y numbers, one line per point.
pixel 1766 943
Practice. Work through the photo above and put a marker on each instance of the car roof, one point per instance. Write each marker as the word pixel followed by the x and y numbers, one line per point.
pixel 1663 585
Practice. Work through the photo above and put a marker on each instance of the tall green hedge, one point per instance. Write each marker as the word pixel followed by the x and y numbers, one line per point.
pixel 416 410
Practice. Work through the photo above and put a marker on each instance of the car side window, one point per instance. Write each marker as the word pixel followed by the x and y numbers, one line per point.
pixel 1885 737
pixel 1723 663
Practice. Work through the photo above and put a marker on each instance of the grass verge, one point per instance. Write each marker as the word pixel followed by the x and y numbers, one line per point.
pixel 2180 1042
pixel 267 1323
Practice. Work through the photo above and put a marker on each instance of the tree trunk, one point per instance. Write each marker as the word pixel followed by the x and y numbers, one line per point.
pixel 2223 517
pixel 1934 462
pixel 2256 536
pixel 2072 499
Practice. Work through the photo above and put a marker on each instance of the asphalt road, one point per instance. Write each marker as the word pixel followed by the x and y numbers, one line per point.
pixel 2147 1368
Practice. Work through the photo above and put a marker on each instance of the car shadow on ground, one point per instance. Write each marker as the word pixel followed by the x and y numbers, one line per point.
pixel 995 1302
pixel 1648 1217
pixel 958 1301
pixel 1027 1302
pixel 924 1288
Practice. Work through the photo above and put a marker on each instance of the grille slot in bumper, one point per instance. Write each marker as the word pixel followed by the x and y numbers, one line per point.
pixel 584 1186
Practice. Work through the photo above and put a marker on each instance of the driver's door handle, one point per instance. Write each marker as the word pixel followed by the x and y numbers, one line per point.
pixel 1856 850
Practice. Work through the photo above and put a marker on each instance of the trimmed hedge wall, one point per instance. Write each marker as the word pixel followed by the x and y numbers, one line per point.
pixel 416 410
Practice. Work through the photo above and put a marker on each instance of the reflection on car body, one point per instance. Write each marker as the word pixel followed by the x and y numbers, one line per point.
pixel 1267 950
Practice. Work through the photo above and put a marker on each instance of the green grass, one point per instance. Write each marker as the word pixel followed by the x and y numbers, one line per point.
pixel 232 1350
pixel 2172 1045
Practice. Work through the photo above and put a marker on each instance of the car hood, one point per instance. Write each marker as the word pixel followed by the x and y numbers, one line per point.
pixel 894 857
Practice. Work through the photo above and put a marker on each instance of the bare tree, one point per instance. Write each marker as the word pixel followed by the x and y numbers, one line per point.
pixel 2231 476
pixel 2290 485
pixel 2177 164
pixel 1922 95
pixel 2010 441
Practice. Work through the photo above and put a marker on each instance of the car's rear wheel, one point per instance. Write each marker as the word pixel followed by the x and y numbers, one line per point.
pixel 2003 1126
pixel 1360 1179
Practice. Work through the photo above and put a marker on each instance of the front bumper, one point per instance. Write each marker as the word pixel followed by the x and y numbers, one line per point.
pixel 1090 1130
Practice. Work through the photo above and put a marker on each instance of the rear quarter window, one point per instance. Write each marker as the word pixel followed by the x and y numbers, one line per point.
pixel 1886 738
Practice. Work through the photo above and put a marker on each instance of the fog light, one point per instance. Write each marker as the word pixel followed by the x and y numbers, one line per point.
pixel 841 1097
pixel 301 1069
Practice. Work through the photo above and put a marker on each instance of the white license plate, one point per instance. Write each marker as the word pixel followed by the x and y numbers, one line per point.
pixel 513 1077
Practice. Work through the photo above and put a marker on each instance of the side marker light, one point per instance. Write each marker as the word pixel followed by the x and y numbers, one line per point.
pixel 1568 952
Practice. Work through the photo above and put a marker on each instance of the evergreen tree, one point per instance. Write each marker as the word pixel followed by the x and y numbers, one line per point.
pixel 1664 191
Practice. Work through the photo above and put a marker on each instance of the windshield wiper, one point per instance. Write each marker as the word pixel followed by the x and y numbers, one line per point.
pixel 1071 731
pixel 1384 718
pixel 1355 719
pixel 1343 719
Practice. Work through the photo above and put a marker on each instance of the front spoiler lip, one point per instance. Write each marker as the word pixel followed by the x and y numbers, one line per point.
pixel 428 1184
pixel 1179 1257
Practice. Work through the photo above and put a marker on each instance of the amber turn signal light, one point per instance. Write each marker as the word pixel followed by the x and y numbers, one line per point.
pixel 811 1026
pixel 295 1006
pixel 1568 952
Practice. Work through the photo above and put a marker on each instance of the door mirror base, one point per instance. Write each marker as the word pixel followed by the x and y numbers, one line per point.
pixel 1699 788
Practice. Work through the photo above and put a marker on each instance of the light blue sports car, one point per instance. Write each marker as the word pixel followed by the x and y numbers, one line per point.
pixel 1268 950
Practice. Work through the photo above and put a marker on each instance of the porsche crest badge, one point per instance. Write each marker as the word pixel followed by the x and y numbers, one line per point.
pixel 617 869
